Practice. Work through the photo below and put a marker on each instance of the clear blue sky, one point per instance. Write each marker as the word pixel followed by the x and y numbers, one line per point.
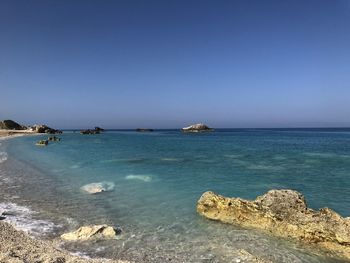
pixel 167 64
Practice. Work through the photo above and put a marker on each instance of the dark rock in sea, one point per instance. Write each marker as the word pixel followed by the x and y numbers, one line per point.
pixel 7 214
pixel 283 213
pixel 11 125
pixel 144 130
pixel 200 127
pixel 99 129
pixel 45 129
pixel 54 139
pixel 89 132
pixel 42 143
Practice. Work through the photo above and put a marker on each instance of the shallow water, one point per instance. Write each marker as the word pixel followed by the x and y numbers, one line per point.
pixel 159 176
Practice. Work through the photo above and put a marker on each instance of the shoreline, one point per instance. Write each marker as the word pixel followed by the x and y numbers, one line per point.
pixel 18 246
pixel 7 134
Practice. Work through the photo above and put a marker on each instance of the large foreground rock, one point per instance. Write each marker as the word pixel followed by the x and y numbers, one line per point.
pixel 199 127
pixel 90 232
pixel 283 213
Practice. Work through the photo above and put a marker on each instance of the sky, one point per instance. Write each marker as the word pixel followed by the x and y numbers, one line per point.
pixel 167 63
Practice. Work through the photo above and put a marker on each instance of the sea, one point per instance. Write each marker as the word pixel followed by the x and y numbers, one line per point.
pixel 153 181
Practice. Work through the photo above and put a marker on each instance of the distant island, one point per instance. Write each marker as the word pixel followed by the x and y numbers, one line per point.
pixel 144 130
pixel 11 128
pixel 199 127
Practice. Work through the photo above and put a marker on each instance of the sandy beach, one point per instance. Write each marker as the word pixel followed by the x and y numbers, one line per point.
pixel 15 133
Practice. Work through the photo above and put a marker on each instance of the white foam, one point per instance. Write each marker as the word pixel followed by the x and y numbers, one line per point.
pixel 233 156
pixel 99 187
pixel 145 178
pixel 75 166
pixel 170 159
pixel 80 255
pixel 3 157
pixel 21 217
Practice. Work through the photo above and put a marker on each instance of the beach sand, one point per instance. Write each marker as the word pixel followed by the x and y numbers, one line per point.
pixel 15 133
pixel 17 246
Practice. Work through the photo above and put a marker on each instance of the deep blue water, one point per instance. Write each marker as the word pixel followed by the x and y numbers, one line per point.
pixel 159 176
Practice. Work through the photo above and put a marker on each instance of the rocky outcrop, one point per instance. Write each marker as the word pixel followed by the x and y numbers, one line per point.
pixel 41 128
pixel 283 213
pixel 11 125
pixel 200 127
pixel 97 130
pixel 92 232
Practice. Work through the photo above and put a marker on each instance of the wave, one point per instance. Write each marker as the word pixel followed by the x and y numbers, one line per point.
pixel 3 157
pixel 233 156
pixel 170 159
pixel 264 167
pixel 21 217
pixel 320 155
pixel 145 178
pixel 75 166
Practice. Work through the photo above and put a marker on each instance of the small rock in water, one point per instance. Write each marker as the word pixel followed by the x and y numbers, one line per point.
pixel 93 231
pixel 95 188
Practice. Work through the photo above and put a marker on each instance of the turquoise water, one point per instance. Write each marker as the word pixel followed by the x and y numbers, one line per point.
pixel 159 176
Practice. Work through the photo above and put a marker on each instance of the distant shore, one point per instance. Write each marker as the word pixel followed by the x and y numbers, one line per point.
pixel 15 133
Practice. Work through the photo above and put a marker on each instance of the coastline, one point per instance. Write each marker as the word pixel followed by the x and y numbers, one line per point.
pixel 19 246
pixel 27 253
pixel 6 134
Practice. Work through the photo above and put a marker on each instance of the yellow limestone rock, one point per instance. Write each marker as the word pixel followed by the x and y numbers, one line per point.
pixel 89 232
pixel 283 213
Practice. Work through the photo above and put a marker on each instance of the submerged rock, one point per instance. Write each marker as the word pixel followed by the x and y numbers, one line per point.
pixel 42 143
pixel 90 232
pixel 283 213
pixel 245 256
pixel 54 139
pixel 200 127
pixel 95 188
